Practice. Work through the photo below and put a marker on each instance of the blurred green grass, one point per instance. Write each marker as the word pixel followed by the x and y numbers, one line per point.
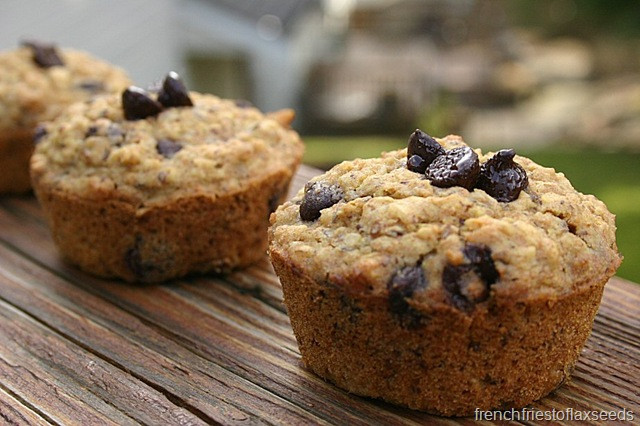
pixel 613 177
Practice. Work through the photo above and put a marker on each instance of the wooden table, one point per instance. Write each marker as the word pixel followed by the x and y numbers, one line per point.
pixel 79 350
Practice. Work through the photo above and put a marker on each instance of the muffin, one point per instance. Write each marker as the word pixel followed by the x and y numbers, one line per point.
pixel 441 278
pixel 37 81
pixel 151 186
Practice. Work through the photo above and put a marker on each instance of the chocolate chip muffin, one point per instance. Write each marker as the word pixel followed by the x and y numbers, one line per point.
pixel 149 186
pixel 441 278
pixel 37 81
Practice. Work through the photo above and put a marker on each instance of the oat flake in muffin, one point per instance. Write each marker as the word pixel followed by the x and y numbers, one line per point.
pixel 443 299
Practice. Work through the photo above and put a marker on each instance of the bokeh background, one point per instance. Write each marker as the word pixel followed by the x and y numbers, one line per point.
pixel 558 80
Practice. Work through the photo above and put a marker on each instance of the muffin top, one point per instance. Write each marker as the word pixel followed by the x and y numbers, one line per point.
pixel 38 80
pixel 144 147
pixel 423 232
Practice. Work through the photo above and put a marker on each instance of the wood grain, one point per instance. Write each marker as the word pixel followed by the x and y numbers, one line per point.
pixel 217 349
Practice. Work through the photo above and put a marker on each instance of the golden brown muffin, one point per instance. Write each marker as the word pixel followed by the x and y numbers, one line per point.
pixel 37 81
pixel 420 288
pixel 148 187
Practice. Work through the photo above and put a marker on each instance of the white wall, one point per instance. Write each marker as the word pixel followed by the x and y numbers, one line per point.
pixel 137 35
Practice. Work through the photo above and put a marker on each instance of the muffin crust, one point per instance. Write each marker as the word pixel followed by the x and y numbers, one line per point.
pixel 30 94
pixel 188 190
pixel 443 299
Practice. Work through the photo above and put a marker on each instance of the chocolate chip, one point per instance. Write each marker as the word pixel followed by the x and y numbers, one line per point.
pixel 91 131
pixel 38 134
pixel 137 104
pixel 174 93
pixel 501 177
pixel 404 283
pixel 135 262
pixel 318 196
pixel 92 86
pixel 415 163
pixel 461 281
pixel 45 55
pixel 425 146
pixel 167 148
pixel 480 258
pixel 458 167
pixel 453 282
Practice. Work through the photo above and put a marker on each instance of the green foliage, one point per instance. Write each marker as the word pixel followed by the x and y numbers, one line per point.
pixel 582 18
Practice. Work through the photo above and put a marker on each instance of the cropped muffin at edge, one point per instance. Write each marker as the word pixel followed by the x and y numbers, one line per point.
pixel 447 281
pixel 152 186
pixel 37 81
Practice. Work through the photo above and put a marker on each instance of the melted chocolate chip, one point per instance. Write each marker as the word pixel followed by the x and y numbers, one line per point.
pixel 318 196
pixel 461 281
pixel 402 285
pixel 174 93
pixel 167 147
pixel 502 178
pixel 38 134
pixel 45 55
pixel 482 262
pixel 453 282
pixel 415 163
pixel 458 167
pixel 137 104
pixel 425 146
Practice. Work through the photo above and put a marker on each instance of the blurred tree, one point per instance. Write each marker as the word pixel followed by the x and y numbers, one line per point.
pixel 579 18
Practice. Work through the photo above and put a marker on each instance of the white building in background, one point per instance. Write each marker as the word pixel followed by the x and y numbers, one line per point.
pixel 256 49
pixel 263 50
pixel 137 35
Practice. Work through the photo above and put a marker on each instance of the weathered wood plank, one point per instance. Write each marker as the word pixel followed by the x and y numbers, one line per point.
pixel 137 348
pixel 238 350
pixel 26 370
pixel 14 412
pixel 221 347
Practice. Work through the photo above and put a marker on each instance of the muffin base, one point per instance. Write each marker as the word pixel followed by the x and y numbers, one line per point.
pixel 200 233
pixel 502 355
pixel 16 147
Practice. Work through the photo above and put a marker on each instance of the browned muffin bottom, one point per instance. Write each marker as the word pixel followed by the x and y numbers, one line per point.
pixel 439 360
pixel 444 283
pixel 37 81
pixel 148 187
pixel 16 147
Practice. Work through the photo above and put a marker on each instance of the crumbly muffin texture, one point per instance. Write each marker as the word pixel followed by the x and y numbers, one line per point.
pixel 442 278
pixel 37 81
pixel 30 93
pixel 213 147
pixel 547 242
pixel 152 186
